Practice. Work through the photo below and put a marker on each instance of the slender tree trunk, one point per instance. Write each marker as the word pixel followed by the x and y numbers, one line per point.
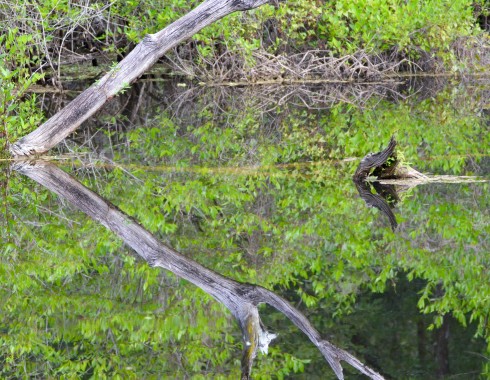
pixel 421 341
pixel 442 348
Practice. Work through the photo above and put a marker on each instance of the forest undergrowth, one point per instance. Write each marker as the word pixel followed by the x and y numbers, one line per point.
pixel 54 42
pixel 301 40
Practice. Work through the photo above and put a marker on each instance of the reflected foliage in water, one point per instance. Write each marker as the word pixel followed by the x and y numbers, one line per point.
pixel 263 194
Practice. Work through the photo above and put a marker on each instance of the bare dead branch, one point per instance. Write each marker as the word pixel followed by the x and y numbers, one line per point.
pixel 143 56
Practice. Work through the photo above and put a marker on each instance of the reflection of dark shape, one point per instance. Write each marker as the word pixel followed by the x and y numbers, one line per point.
pixel 240 298
pixel 388 192
pixel 378 200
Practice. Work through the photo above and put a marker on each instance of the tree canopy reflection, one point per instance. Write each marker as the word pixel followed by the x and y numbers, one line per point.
pixel 264 199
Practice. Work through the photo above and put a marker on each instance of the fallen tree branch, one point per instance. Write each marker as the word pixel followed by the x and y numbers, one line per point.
pixel 241 299
pixel 140 59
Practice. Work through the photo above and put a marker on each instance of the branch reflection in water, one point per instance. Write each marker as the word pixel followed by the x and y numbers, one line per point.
pixel 240 298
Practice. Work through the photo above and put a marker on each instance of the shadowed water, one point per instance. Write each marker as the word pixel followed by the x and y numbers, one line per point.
pixel 255 184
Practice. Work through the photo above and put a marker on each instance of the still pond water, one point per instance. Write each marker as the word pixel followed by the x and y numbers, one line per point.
pixel 256 184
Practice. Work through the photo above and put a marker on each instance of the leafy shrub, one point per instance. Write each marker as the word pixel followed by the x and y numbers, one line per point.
pixel 18 114
pixel 340 26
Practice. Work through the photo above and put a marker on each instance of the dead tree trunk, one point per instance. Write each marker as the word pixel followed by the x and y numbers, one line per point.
pixel 385 165
pixel 241 299
pixel 141 58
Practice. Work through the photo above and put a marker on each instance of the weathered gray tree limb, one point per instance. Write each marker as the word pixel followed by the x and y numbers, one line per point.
pixel 241 299
pixel 140 59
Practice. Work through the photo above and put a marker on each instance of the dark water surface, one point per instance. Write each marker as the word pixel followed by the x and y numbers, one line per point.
pixel 255 183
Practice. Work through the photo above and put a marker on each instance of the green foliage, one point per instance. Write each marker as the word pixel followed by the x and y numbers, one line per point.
pixel 95 311
pixel 51 25
pixel 277 208
pixel 399 29
pixel 263 199
pixel 18 114
pixel 342 27
pixel 385 24
pixel 271 204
